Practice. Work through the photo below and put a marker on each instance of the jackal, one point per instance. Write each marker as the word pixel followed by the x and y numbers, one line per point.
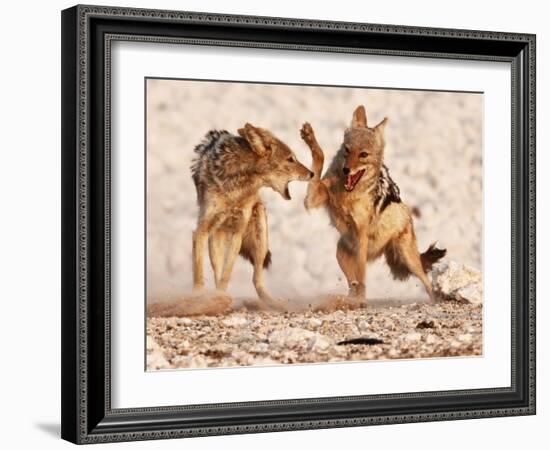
pixel 364 204
pixel 228 172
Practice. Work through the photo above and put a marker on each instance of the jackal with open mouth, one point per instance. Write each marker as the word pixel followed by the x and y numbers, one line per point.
pixel 365 206
pixel 228 172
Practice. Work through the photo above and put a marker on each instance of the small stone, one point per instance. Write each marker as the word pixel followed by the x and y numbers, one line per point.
pixel 243 338
pixel 314 323
pixel 431 339
pixel 320 343
pixel 234 321
pixel 198 361
pixel 426 324
pixel 455 344
pixel 393 353
pixel 465 338
pixel 471 293
pixel 155 356
pixel 363 326
pixel 290 337
pixel 413 337
pixel 262 347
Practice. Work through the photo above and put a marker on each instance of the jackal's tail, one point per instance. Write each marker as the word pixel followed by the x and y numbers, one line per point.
pixel 399 268
pixel 245 253
pixel 431 256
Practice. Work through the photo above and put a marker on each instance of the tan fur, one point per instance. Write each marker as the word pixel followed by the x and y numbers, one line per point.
pixel 228 174
pixel 371 221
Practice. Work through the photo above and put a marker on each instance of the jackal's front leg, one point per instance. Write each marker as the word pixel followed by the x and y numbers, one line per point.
pixel 200 235
pixel 317 194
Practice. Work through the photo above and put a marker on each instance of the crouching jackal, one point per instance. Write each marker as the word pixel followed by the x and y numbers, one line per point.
pixel 228 173
pixel 365 206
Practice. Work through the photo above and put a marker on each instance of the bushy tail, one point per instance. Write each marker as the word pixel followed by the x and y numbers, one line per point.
pixel 399 269
pixel 245 253
pixel 267 260
pixel 431 256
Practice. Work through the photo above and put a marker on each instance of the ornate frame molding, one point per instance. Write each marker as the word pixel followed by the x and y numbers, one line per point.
pixel 84 421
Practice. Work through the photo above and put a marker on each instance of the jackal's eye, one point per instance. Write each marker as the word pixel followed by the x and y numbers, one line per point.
pixel 346 149
pixel 290 159
pixel 363 155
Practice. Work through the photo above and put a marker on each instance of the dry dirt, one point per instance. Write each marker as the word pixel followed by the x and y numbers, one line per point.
pixel 246 337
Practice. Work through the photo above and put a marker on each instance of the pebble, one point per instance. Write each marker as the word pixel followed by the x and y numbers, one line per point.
pixel 412 337
pixel 235 321
pixel 465 338
pixel 431 339
pixel 320 343
pixel 314 322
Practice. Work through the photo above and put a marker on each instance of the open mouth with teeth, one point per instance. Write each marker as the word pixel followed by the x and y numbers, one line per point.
pixel 353 179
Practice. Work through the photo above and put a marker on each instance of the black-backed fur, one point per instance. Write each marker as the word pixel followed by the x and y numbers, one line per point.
pixel 387 190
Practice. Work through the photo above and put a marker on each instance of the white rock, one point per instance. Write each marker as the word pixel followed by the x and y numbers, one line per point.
pixel 454 281
pixel 413 337
pixel 155 356
pixel 299 337
pixel 261 347
pixel 455 344
pixel 363 325
pixel 465 338
pixel 197 361
pixel 234 321
pixel 290 337
pixel 314 322
pixel 472 293
pixel 320 343
pixel 393 353
pixel 243 338
pixel 431 339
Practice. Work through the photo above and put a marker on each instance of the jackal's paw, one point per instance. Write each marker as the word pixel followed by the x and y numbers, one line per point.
pixel 307 134
pixel 357 291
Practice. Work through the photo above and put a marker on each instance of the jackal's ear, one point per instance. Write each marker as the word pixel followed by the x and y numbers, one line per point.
pixel 382 125
pixel 255 138
pixel 359 119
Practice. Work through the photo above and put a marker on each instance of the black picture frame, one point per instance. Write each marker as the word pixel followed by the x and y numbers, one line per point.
pixel 87 415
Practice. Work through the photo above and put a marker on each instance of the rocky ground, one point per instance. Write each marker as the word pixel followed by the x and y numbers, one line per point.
pixel 244 337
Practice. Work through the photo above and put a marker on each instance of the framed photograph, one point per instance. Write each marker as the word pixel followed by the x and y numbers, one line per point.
pixel 280 224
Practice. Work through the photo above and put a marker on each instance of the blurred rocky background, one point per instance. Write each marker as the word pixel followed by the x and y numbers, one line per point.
pixel 433 151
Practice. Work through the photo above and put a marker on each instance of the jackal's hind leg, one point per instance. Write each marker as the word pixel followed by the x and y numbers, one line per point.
pixel 407 251
pixel 234 245
pixel 255 247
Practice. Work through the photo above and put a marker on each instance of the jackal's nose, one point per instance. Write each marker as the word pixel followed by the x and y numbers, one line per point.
pixel 345 170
